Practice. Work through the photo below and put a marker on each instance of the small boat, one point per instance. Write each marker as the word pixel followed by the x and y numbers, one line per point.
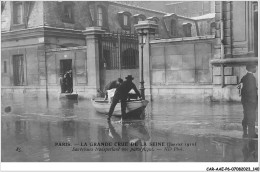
pixel 134 108
pixel 73 96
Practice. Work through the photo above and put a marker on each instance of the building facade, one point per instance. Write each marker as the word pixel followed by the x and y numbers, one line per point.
pixel 43 39
pixel 236 45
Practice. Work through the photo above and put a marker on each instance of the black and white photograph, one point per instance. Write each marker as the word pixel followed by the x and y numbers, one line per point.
pixel 147 83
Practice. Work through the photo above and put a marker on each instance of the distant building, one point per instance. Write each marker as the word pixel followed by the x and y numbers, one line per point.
pixel 190 8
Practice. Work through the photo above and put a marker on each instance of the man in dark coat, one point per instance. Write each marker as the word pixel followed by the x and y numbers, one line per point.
pixel 69 82
pixel 111 85
pixel 121 94
pixel 249 101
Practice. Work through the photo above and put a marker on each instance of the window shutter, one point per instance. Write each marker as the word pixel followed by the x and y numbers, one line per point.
pixel 120 20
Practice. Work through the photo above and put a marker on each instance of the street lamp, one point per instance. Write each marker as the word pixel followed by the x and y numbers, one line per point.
pixel 142 40
pixel 145 29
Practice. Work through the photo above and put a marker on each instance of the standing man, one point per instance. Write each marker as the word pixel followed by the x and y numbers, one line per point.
pixel 249 101
pixel 69 82
pixel 121 94
pixel 112 85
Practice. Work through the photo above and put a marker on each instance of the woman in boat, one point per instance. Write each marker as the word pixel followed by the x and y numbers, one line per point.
pixel 121 94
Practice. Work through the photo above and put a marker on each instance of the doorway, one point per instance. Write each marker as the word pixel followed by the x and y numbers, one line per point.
pixel 65 66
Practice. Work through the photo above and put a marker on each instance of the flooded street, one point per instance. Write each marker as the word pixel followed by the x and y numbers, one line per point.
pixel 72 131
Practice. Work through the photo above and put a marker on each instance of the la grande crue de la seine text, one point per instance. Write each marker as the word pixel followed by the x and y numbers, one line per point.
pixel 163 144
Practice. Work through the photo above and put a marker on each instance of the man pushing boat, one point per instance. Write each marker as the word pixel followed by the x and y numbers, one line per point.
pixel 121 93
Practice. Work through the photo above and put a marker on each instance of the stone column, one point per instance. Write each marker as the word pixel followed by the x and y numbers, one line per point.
pixel 92 41
pixel 147 28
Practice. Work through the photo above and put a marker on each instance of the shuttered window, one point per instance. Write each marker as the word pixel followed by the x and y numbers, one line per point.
pixel 18 70
pixel 173 28
pixel 17 13
pixel 100 17
pixel 125 20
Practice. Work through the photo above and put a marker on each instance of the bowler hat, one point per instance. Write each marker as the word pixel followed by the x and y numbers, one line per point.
pixel 129 77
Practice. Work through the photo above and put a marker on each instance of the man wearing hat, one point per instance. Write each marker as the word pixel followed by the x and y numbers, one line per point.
pixel 121 93
pixel 249 101
pixel 68 81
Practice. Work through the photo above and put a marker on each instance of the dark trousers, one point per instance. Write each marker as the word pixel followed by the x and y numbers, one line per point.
pixel 249 118
pixel 115 100
pixel 69 88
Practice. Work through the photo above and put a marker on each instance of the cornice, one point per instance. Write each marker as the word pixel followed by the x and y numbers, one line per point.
pixel 41 31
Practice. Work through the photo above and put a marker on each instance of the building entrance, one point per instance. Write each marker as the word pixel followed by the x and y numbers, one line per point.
pixel 65 67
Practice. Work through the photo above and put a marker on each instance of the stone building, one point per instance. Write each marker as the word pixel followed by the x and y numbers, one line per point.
pixel 43 39
pixel 236 45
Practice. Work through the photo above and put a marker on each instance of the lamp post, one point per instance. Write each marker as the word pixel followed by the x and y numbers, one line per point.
pixel 145 30
pixel 142 40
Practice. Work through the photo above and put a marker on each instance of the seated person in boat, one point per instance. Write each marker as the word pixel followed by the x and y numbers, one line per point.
pixel 112 85
pixel 122 94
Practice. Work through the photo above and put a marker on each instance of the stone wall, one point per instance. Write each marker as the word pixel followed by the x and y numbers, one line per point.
pixel 180 67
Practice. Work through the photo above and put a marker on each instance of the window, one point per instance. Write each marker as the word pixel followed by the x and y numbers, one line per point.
pixel 124 20
pixel 173 28
pixel 186 29
pixel 91 13
pixel 100 17
pixel 5 67
pixel 67 12
pixel 17 12
pixel 18 70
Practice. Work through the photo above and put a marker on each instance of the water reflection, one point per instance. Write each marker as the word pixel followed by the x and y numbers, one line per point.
pixel 36 126
pixel 132 131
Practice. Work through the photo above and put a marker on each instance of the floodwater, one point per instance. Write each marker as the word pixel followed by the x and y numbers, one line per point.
pixel 36 130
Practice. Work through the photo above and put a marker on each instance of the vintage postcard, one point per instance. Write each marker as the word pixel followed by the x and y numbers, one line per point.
pixel 131 82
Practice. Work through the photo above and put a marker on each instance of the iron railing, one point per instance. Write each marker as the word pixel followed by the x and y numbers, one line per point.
pixel 119 50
